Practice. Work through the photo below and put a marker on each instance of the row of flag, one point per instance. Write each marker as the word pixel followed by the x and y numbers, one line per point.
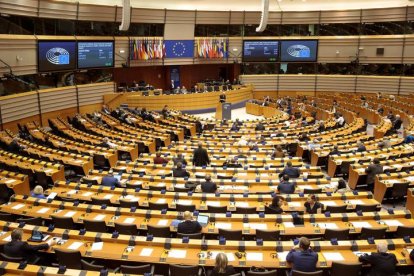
pixel 157 48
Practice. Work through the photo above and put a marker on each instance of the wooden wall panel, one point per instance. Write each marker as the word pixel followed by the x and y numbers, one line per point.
pixel 61 10
pixel 237 17
pixel 154 75
pixel 19 7
pixel 384 15
pixel 19 106
pixel 409 50
pixel 98 13
pixel 121 45
pixel 252 18
pixel 345 16
pixel 57 98
pixel 180 17
pixel 64 113
pixel 297 83
pixel 261 82
pixel 211 17
pixel 347 48
pixel 335 83
pixel 407 86
pixel 147 16
pixel 22 46
pixel 392 49
pixel 307 17
pixel 374 84
pixel 93 93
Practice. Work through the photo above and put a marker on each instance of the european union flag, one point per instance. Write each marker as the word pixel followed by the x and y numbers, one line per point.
pixel 179 48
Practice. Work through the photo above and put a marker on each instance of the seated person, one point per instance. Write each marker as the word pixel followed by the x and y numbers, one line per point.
pixel 259 127
pixel 285 187
pixel 179 159
pixel 189 226
pixel 302 257
pixel 19 249
pixel 277 203
pixel 278 152
pixel 208 186
pixel 253 146
pixel 15 146
pixel 180 172
pixel 107 144
pixel 109 181
pixel 235 127
pixel 382 263
pixel 335 151
pixel 360 147
pixel 312 205
pixel 159 160
pixel 221 266
pixel 5 193
pixel 37 192
pixel 409 138
pixel 232 163
pixel 291 171
pixel 343 187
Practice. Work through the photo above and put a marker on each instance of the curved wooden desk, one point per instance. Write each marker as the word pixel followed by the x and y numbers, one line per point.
pixel 192 101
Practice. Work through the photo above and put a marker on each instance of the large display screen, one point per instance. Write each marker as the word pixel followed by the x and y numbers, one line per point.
pixel 298 50
pixel 95 54
pixel 260 50
pixel 55 55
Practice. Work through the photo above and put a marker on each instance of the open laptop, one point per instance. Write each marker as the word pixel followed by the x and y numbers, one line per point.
pixel 203 220
pixel 117 176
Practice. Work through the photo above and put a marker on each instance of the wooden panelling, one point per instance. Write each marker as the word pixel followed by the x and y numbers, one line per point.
pixel 19 106
pixel 147 16
pixel 64 113
pixel 376 84
pixel 121 44
pixel 330 83
pixel 97 13
pixel 178 31
pixel 407 85
pixel 13 124
pixel 19 7
pixel 210 17
pixel 392 49
pixel 341 49
pixel 180 17
pixel 19 51
pixel 61 10
pixel 409 50
pixel 346 16
pixel 49 101
pixel 252 18
pixel 236 17
pixel 90 108
pixel 384 15
pixel 261 82
pixel 93 93
pixel 308 17
pixel 154 75
pixel 297 83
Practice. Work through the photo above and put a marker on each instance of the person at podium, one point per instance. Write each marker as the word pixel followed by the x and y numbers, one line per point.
pixel 223 97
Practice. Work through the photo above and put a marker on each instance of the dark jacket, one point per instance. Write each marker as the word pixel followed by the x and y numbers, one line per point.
pixel 179 160
pixel 109 181
pixel 361 148
pixel 229 271
pixel 286 188
pixel 160 160
pixel 14 147
pixel 208 187
pixel 180 173
pixel 372 171
pixel 189 227
pixel 259 127
pixel 292 172
pixel 314 209
pixel 22 249
pixel 304 261
pixel 200 157
pixel 397 124
pixel 382 264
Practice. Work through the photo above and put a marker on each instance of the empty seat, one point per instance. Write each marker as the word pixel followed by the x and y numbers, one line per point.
pixel 159 231
pixel 376 233
pixel 366 208
pixel 100 201
pixel 336 209
pixel 72 259
pixel 340 234
pixel 235 235
pixel 265 273
pixel 245 210
pixel 404 231
pixel 191 236
pixel 126 229
pixel 63 222
pixel 345 269
pixel 157 206
pixel 180 270
pixel 299 273
pixel 31 221
pixel 137 269
pixel 267 235
pixel 95 225
pixel 128 204
pixel 216 209
pixel 183 208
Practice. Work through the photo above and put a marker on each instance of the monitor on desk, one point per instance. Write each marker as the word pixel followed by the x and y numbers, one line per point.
pixel 203 220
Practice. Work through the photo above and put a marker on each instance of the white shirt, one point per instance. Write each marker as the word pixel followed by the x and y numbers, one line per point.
pixel 340 120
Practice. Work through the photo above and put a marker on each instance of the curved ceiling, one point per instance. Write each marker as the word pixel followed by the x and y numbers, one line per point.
pixel 254 5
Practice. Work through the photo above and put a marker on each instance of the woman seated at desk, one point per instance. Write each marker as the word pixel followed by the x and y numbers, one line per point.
pixel 312 205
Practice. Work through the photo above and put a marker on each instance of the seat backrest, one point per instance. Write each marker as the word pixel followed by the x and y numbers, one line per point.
pixel 6 258
pixel 345 269
pixel 100 201
pixel 179 270
pixel 128 204
pixel 366 208
pixel 63 222
pixel 245 210
pixel 126 229
pixel 216 209
pixel 7 217
pixel 157 206
pixel 140 269
pixel 31 221
pixel 340 234
pixel 159 231
pixel 265 273
pixel 399 190
pixel 95 225
pixel 312 191
pixel 300 273
pixel 183 208
pixel 69 258
pixel 372 232
pixel 267 235
pixel 403 231
pixel 336 209
pixel 231 234
pixel 191 236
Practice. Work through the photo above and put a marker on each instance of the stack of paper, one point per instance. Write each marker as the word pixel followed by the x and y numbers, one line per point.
pixel 146 252
pixel 329 256
pixel 253 256
pixel 223 225
pixel 97 246
pixel 177 253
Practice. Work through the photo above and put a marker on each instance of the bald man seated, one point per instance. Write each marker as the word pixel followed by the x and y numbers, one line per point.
pixel 382 263
pixel 189 226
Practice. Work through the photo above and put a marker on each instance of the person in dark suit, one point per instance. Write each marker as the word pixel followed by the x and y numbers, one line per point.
pixel 277 203
pixel 304 137
pixel 208 186
pixel 232 163
pixel 179 159
pixel 165 113
pixel 106 110
pixel 259 127
pixel 5 193
pixel 302 257
pixel 396 125
pixel 391 116
pixel 15 146
pixel 107 144
pixel 321 126
pixel 109 181
pixel 223 97
pixel 285 187
pixel 46 141
pixel 361 147
pixel 235 127
pixel 180 172
pixel 372 171
pixel 159 160
pixel 312 205
pixel 291 171
pixel 380 110
pixel 20 249
pixel 335 151
pixel 221 267
pixel 278 152
pixel 200 156
pixel 189 226
pixel 382 263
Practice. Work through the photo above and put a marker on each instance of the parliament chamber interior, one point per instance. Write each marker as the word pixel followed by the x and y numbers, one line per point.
pixel 189 137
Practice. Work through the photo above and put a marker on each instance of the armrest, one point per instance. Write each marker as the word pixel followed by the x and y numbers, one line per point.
pixel 89 266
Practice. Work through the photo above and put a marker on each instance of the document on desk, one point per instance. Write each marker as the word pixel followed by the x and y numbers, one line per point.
pixel 43 210
pixel 163 222
pixel 18 206
pixel 392 222
pixel 69 214
pixel 129 220
pixel 328 203
pixel 254 256
pixel 100 217
pixel 282 255
pixel 288 224
pixel 359 253
pixel 355 201
pixel 161 200
pixel 294 204
pixel 71 192
pixel 9 181
pixel 109 196
pixel 213 203
pixel 177 253
pixel 223 225
pixel 260 226
pixel 75 245
pixel 162 184
pixel 328 225
pixel 333 256
pixel 146 252
pixel 410 178
pixel 52 195
pixel 87 194
pixel 185 202
pixel 360 224
pixel 97 246
pixel 242 204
